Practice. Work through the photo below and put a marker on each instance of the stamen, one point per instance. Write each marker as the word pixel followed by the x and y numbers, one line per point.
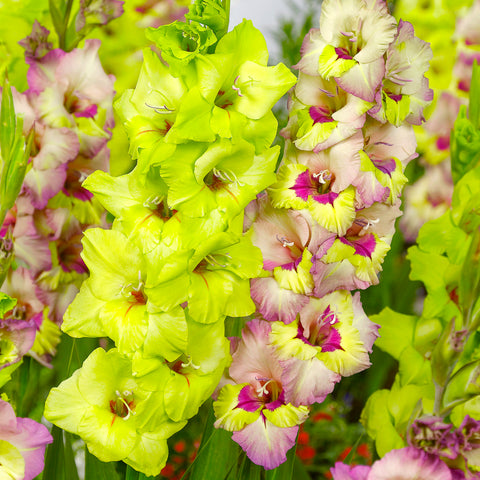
pixel 152 200
pixel 82 176
pixel 227 176
pixel 161 110
pixel 190 364
pixel 327 93
pixel 321 176
pixel 127 406
pixel 366 223
pixel 285 242
pixel 262 390
pixel 237 89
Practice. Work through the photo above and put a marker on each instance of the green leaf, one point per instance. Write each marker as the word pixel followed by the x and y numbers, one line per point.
pixel 469 285
pixel 396 332
pixel 7 120
pixel 217 456
pixel 97 470
pixel 55 457
pixel 71 472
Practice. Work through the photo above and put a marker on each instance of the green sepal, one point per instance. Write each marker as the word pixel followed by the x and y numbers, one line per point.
pixel 211 13
pixel 463 385
pixel 466 201
pixel 464 145
pixel 180 43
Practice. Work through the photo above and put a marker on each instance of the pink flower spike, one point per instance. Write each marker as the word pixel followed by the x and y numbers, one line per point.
pixel 27 436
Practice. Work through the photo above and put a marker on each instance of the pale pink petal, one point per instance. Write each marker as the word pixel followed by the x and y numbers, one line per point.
pixel 307 381
pixel 363 79
pixel 266 444
pixel 409 464
pixel 341 471
pixel 276 303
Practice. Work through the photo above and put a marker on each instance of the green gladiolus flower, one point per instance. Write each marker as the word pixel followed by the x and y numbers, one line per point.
pixel 114 301
pixel 119 415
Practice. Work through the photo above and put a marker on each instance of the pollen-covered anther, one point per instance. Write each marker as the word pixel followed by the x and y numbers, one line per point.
pixel 152 201
pixel 161 110
pixel 323 177
pixel 366 223
pixel 285 243
pixel 190 364
pixel 237 89
pixel 263 390
pixel 121 407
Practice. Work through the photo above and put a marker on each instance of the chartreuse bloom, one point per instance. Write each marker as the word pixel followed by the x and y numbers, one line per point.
pixel 194 374
pixel 114 302
pixel 225 177
pixel 118 413
pixel 215 281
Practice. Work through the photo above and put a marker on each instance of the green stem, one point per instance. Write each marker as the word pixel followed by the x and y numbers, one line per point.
pixel 226 6
pixel 62 35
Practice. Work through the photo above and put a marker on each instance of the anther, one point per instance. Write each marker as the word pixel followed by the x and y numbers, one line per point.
pixel 237 89
pixel 190 364
pixel 161 110
pixel 285 242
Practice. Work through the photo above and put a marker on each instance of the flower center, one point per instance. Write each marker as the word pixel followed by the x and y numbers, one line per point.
pixel 135 294
pixel 269 390
pixel 123 405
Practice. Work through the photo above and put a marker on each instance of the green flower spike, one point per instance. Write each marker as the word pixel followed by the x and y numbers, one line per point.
pixel 118 414
pixel 113 301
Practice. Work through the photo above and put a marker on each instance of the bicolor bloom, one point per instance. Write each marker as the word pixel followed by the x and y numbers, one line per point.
pixel 354 260
pixel 321 183
pixel 404 93
pixel 286 239
pixel 72 90
pixel 350 44
pixel 254 408
pixel 117 412
pixel 333 330
pixel 322 114
pixel 23 442
pixel 385 154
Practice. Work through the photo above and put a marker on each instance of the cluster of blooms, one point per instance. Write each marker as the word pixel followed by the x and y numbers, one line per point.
pixel 69 106
pixel 325 225
pixel 175 262
pixel 431 196
pixel 436 451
